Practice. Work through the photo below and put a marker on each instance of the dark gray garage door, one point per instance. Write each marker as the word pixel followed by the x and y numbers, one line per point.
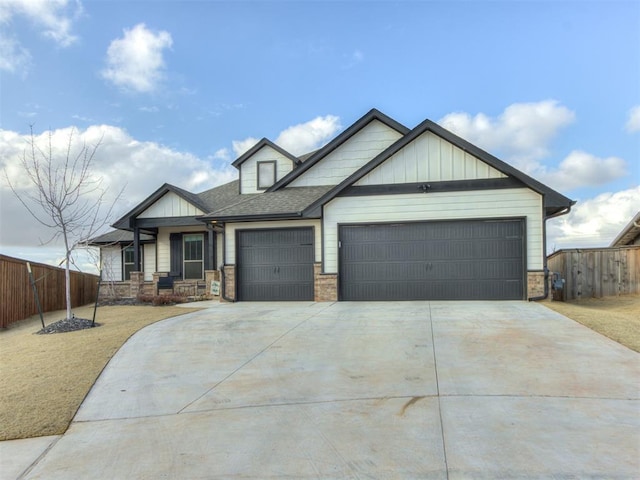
pixel 456 260
pixel 275 264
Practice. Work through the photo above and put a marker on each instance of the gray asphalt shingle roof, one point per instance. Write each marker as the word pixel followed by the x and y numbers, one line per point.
pixel 281 202
pixel 118 236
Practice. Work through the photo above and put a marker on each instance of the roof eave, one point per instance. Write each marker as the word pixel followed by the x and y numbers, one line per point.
pixel 252 217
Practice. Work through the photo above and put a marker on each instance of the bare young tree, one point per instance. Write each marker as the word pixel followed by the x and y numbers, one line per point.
pixel 66 196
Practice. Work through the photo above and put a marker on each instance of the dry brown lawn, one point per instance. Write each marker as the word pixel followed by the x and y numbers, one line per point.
pixel 615 317
pixel 46 377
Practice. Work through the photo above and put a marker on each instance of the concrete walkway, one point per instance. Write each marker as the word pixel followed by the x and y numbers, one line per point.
pixel 441 390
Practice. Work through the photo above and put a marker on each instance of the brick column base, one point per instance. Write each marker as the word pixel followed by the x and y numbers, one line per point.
pixel 325 285
pixel 535 284
pixel 229 282
pixel 136 284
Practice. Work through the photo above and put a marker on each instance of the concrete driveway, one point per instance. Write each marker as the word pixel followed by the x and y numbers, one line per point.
pixel 441 390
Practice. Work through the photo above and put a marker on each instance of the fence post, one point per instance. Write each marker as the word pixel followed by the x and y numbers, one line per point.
pixel 95 306
pixel 35 293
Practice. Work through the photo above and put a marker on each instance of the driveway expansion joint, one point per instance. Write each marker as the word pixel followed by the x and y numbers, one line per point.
pixel 305 320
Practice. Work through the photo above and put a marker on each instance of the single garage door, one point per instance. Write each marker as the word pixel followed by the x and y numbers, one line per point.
pixel 275 264
pixel 444 260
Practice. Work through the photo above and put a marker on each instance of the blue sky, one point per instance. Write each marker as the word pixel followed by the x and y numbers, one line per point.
pixel 178 89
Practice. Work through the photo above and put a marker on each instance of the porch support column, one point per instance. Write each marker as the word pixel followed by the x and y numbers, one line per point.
pixel 211 250
pixel 136 249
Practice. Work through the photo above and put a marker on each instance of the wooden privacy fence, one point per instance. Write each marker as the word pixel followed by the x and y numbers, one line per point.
pixel 597 272
pixel 16 294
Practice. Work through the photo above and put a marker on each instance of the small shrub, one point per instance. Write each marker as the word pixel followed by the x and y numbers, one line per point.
pixel 167 300
pixel 158 300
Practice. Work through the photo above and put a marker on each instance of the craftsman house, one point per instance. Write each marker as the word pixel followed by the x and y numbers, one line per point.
pixel 382 212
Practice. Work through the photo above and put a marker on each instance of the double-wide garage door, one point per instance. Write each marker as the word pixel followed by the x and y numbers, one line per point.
pixel 448 260
pixel 275 264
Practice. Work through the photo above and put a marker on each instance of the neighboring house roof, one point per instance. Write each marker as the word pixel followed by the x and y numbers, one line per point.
pixel 629 234
pixel 555 203
pixel 118 237
pixel 311 160
pixel 285 203
pixel 263 143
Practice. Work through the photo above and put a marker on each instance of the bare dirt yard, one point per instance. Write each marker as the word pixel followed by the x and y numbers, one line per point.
pixel 615 317
pixel 46 377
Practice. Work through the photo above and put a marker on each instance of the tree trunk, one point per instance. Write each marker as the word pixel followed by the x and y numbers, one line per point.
pixel 67 279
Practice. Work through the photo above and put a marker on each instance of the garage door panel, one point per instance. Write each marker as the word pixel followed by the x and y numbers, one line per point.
pixel 275 265
pixel 473 260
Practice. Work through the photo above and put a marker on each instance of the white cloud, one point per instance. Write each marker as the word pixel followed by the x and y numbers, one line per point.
pixel 581 169
pixel 593 222
pixel 120 160
pixel 309 136
pixel 135 61
pixel 521 136
pixel 54 19
pixel 522 132
pixel 14 58
pixel 241 146
pixel 633 122
pixel 298 139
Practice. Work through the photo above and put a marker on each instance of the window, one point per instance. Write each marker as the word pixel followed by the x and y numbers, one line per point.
pixel 128 262
pixel 193 256
pixel 266 174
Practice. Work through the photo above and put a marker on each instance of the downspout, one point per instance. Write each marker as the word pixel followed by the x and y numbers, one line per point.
pixel 544 247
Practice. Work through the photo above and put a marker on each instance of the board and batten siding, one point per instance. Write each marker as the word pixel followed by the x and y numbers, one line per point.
pixel 350 156
pixel 149 259
pixel 230 235
pixel 164 245
pixel 429 158
pixel 112 262
pixel 249 168
pixel 171 205
pixel 416 207
pixel 111 258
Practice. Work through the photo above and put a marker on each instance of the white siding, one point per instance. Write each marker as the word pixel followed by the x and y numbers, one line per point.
pixel 170 205
pixel 429 158
pixel 230 235
pixel 519 202
pixel 163 244
pixel 111 263
pixel 249 168
pixel 219 250
pixel 348 157
pixel 149 257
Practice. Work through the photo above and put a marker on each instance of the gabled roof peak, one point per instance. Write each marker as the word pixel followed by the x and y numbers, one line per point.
pixel 366 119
pixel 263 142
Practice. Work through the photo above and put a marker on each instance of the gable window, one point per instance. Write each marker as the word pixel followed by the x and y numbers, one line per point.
pixel 193 256
pixel 128 262
pixel 266 174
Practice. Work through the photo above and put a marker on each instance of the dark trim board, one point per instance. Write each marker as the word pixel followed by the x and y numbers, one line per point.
pixel 146 223
pixel 473 259
pixel 432 187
